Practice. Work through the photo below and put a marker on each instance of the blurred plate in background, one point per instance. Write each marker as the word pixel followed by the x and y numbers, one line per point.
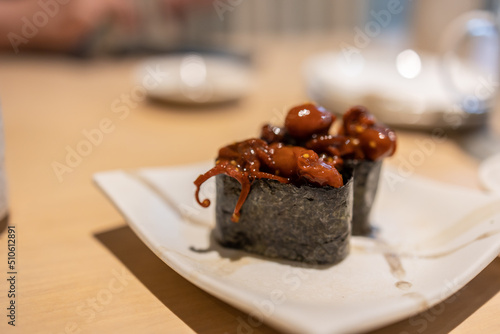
pixel 195 78
pixel 408 89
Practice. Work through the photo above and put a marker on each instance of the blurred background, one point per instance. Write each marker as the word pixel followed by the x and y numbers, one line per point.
pixel 122 26
pixel 416 64
pixel 458 38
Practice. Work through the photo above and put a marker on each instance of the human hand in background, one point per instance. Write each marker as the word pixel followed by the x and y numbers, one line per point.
pixel 62 25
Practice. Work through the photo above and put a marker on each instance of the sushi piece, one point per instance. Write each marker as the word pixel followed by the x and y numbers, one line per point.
pixel 281 201
pixel 366 180
pixel 361 144
pixel 374 143
pixel 307 223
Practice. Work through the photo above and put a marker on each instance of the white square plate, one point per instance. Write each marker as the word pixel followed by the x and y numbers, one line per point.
pixel 434 238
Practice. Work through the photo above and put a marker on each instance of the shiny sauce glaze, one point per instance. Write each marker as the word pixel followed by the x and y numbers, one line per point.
pixel 302 150
pixel 306 120
pixel 359 137
pixel 373 141
pixel 254 159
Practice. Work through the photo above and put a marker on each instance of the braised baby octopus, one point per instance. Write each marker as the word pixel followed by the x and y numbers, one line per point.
pixel 272 134
pixel 308 119
pixel 254 159
pixel 302 123
pixel 375 140
pixel 302 151
pixel 359 138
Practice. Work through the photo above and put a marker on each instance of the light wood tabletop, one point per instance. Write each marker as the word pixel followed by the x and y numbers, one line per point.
pixel 81 269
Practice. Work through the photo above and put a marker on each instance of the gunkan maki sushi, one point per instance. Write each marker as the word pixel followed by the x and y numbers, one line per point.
pixel 299 191
pixel 282 201
pixel 302 223
pixel 374 142
pixel 360 146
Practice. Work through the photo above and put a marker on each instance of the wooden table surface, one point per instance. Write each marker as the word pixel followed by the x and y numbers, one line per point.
pixel 81 269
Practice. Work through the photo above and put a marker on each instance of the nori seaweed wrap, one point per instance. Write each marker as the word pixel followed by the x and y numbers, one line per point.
pixel 366 179
pixel 301 223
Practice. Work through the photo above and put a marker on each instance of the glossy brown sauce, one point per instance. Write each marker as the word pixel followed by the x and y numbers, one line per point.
pixel 254 159
pixel 302 151
pixel 305 120
pixel 359 138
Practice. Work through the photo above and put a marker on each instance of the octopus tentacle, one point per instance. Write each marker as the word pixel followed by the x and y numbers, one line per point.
pixel 245 190
pixel 264 175
pixel 216 170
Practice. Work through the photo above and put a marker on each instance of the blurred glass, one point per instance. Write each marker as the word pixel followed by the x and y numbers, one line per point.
pixel 415 64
